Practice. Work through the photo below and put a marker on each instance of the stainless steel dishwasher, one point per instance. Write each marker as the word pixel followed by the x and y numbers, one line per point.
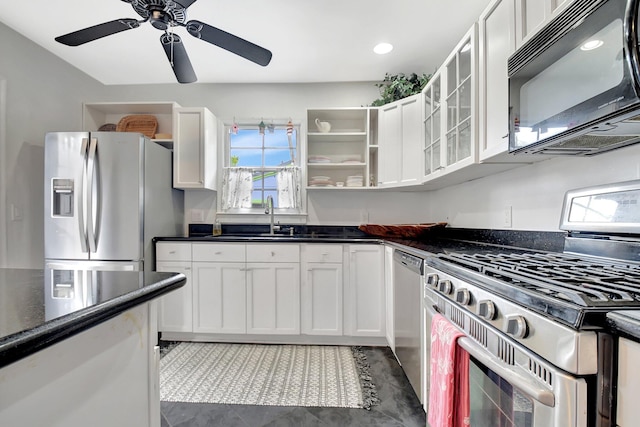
pixel 408 271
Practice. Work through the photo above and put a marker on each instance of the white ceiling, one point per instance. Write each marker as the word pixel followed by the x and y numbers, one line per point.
pixel 311 41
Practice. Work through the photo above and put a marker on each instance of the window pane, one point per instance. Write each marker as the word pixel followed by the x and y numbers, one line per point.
pixel 279 157
pixel 279 138
pixel 245 157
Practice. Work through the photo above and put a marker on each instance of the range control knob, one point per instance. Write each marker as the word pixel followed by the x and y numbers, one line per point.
pixel 517 326
pixel 463 297
pixel 432 280
pixel 487 309
pixel 445 287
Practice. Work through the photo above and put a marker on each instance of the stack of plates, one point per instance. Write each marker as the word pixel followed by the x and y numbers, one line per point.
pixel 320 181
pixel 319 159
pixel 355 181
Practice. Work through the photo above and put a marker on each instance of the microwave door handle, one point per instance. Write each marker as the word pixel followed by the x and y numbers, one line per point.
pixel 631 42
pixel 516 379
pixel 91 173
pixel 83 198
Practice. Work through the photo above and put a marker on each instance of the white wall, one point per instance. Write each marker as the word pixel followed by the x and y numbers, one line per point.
pixel 43 93
pixel 535 192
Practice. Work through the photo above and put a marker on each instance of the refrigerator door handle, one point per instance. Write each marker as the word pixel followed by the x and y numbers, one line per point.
pixel 91 185
pixel 83 197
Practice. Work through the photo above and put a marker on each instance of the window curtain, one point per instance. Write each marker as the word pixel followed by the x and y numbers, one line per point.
pixel 288 183
pixel 237 185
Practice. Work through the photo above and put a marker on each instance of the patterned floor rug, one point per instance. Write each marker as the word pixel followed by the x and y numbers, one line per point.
pixel 281 375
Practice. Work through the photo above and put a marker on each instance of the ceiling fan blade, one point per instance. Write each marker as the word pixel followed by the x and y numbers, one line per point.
pixel 185 3
pixel 178 58
pixel 227 41
pixel 97 32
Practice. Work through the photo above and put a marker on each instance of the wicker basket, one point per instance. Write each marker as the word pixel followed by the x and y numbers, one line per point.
pixel 145 124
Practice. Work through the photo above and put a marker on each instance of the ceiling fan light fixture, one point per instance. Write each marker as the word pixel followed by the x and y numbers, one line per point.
pixel 383 48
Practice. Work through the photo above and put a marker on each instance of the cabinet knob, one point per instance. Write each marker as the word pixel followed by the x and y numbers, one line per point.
pixel 217 253
pixel 273 253
pixel 172 252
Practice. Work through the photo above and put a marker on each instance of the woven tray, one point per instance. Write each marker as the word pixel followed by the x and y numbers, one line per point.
pixel 407 231
pixel 145 124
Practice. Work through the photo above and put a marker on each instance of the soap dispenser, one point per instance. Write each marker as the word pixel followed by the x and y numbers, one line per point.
pixel 217 228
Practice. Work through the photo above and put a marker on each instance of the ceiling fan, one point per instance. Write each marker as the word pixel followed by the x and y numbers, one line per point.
pixel 164 15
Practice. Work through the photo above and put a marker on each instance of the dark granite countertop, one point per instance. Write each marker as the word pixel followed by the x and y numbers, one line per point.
pixel 36 313
pixel 440 240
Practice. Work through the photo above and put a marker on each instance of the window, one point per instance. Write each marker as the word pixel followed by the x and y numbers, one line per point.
pixel 261 161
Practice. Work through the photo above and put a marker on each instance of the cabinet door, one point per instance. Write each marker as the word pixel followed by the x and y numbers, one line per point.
pixel 389 144
pixel 432 100
pixel 497 29
pixel 273 298
pixel 411 166
pixel 175 308
pixel 365 306
pixel 388 293
pixel 628 411
pixel 322 299
pixel 194 148
pixel 219 297
pixel 460 76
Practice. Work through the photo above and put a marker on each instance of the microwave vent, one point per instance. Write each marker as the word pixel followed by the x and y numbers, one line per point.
pixel 587 144
pixel 553 31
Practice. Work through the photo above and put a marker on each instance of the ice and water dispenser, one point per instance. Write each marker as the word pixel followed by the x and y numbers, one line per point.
pixel 62 197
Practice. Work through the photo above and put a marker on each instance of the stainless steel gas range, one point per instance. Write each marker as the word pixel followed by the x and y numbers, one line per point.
pixel 535 322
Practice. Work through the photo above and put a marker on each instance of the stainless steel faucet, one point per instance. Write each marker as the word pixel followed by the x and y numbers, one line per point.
pixel 269 210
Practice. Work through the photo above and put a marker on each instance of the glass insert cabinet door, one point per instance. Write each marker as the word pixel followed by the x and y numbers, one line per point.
pixel 432 125
pixel 459 101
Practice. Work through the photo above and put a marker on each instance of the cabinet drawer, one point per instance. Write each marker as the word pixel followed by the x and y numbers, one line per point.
pixel 173 251
pixel 280 252
pixel 323 253
pixel 224 252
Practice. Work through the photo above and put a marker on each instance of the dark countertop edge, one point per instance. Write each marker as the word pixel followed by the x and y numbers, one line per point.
pixel 622 324
pixel 278 239
pixel 22 344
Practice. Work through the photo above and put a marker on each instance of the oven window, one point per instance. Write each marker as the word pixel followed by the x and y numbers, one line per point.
pixel 494 402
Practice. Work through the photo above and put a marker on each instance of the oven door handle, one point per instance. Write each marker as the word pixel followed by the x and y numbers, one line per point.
pixel 526 385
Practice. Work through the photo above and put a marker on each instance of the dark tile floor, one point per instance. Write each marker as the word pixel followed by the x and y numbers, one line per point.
pixel 399 406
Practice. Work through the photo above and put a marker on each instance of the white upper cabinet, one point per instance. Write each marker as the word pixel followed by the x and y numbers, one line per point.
pixel 97 114
pixel 432 126
pixel 400 141
pixel 450 113
pixel 532 15
pixel 341 148
pixel 496 44
pixel 195 148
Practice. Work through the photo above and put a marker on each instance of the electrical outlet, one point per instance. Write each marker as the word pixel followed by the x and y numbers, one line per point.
pixel 507 217
pixel 16 213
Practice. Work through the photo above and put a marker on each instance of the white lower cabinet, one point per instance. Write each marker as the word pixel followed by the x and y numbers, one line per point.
pixel 628 411
pixel 365 294
pixel 322 289
pixel 273 298
pixel 219 297
pixel 175 308
pixel 280 289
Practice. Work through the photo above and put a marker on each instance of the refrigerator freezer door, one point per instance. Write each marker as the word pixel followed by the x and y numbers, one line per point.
pixel 116 169
pixel 65 186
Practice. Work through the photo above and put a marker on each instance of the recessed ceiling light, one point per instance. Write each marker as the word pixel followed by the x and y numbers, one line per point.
pixel 382 48
pixel 591 44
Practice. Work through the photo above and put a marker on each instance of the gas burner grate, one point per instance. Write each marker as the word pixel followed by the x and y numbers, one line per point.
pixel 584 281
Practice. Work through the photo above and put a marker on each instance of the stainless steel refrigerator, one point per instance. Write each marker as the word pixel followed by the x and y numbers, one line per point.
pixel 107 194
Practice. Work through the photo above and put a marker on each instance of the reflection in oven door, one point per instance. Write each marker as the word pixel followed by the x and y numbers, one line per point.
pixel 495 402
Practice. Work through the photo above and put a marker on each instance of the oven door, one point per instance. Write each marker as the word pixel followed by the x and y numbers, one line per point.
pixel 515 389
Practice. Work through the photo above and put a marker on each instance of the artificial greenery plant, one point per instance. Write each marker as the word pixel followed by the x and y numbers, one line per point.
pixel 398 86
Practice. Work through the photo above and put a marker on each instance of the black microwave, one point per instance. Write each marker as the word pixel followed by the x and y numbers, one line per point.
pixel 574 86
